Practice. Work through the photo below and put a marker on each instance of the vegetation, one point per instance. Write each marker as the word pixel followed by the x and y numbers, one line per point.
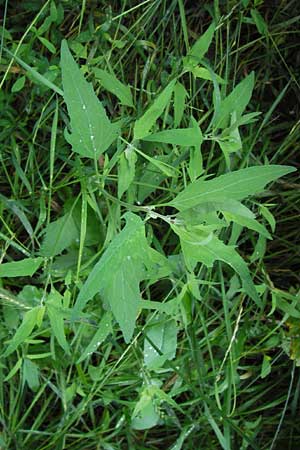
pixel 149 204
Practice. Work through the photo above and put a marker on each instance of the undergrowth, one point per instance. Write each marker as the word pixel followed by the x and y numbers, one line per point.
pixel 149 205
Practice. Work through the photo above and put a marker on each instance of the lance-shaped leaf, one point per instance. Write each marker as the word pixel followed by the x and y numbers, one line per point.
pixel 144 124
pixel 118 274
pixel 236 102
pixel 111 83
pixel 56 316
pixel 200 48
pixel 186 137
pixel 199 244
pixel 234 185
pixel 30 320
pixel 91 131
pixel 23 268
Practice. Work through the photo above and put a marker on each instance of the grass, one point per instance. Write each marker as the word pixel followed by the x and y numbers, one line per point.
pixel 227 371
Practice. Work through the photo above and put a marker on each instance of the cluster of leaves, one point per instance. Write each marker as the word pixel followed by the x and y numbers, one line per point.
pixel 150 241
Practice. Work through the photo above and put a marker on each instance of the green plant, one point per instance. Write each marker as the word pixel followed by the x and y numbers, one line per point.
pixel 156 249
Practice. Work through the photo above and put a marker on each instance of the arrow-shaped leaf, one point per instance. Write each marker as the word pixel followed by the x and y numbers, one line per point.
pixel 118 274
pixel 91 131
pixel 234 185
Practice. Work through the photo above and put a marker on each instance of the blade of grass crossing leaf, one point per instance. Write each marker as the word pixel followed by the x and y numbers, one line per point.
pixel 40 78
pixel 180 95
pixel 126 169
pixel 104 329
pixel 168 170
pixel 30 319
pixel 52 156
pixel 56 316
pixel 59 235
pixel 83 222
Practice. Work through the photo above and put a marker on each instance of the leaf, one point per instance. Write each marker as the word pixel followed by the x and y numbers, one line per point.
pixel 186 137
pixel 18 84
pixel 14 370
pixel 236 101
pixel 145 414
pixel 200 48
pixel 36 75
pixel 200 245
pixel 198 214
pixel 144 124
pixel 56 315
pixel 118 274
pixel 250 223
pixel 202 72
pixel 59 236
pixel 92 132
pixel 23 268
pixel 30 319
pixel 266 213
pixel 111 83
pixel 233 185
pixel 163 334
pixel 165 168
pixel 104 329
pixel 31 374
pixel 266 367
pixel 126 170
pixel 47 44
pixel 259 22
pixel 180 95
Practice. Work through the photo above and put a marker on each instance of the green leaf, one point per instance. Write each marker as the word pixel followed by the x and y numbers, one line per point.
pixel 186 137
pixel 30 319
pixel 126 170
pixel 202 72
pixel 259 22
pixel 236 102
pixel 18 84
pixel 200 245
pixel 118 274
pixel 145 414
pixel 54 306
pixel 144 124
pixel 250 223
pixel 25 267
pixel 111 83
pixel 104 329
pixel 47 44
pixel 266 213
pixel 233 185
pixel 200 48
pixel 14 370
pixel 165 168
pixel 180 95
pixel 31 374
pixel 265 367
pixel 36 75
pixel 92 132
pixel 163 334
pixel 59 236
